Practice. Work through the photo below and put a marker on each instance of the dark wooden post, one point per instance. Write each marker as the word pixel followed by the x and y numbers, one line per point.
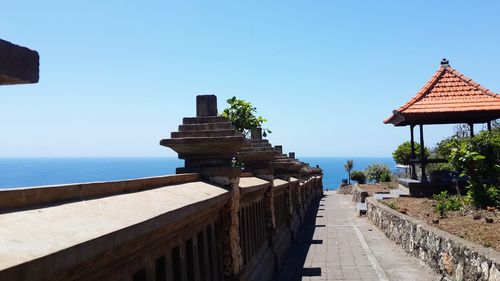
pixel 489 125
pixel 471 125
pixel 422 154
pixel 412 156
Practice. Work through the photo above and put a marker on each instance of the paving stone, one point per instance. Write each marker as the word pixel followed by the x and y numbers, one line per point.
pixel 348 250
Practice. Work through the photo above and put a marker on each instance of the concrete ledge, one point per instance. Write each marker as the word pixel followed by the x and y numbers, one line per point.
pixel 417 188
pixel 252 184
pixel 450 255
pixel 280 183
pixel 78 238
pixel 21 198
pixel 18 65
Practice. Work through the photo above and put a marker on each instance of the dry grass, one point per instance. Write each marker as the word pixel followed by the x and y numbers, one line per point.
pixel 469 224
pixel 377 187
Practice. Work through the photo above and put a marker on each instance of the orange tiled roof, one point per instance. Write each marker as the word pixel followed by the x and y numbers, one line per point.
pixel 448 92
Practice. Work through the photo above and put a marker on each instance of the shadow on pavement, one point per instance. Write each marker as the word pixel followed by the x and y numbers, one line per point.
pixel 293 265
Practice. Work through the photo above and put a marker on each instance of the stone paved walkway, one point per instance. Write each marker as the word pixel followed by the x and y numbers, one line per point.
pixel 335 244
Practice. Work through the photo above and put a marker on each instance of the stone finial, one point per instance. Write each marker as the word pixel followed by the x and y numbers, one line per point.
pixel 284 165
pixel 279 148
pixel 291 155
pixel 206 105
pixel 208 142
pixel 445 62
pixel 257 154
pixel 256 133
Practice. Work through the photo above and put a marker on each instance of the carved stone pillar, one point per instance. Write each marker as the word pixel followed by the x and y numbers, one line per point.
pixel 230 225
pixel 208 143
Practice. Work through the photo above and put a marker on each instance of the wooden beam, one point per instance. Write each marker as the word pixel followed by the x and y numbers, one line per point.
pixel 422 154
pixel 412 143
pixel 471 125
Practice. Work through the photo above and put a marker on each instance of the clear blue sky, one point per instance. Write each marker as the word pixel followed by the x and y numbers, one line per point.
pixel 118 76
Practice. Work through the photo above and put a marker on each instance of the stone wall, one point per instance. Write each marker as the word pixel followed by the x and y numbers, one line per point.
pixel 451 256
pixel 345 189
pixel 177 243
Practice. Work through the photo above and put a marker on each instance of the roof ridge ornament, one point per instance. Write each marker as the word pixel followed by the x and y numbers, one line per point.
pixel 445 62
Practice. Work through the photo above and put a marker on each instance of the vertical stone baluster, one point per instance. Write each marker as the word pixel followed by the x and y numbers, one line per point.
pixel 230 226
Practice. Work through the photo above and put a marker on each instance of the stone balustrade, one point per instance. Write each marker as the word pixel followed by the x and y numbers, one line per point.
pixel 175 231
pixel 215 223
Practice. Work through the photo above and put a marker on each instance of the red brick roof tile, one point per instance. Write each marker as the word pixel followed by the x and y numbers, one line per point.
pixel 448 92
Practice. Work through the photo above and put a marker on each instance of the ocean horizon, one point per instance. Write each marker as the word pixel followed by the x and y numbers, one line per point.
pixel 28 172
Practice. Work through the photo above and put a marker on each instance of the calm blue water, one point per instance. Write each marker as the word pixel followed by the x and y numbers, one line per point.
pixel 20 172
pixel 333 167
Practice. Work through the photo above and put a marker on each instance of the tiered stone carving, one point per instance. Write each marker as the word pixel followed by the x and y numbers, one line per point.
pixel 285 166
pixel 257 155
pixel 207 142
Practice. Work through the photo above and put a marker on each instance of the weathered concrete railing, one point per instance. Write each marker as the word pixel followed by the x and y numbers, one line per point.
pixel 39 195
pixel 171 231
pixel 156 234
pixel 264 242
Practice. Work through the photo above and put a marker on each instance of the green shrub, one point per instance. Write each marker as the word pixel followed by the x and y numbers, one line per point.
pixel 478 159
pixel 392 205
pixel 446 203
pixel 443 149
pixel 374 172
pixel 440 207
pixel 244 117
pixel 358 176
pixel 439 168
pixel 385 177
pixel 402 154
pixel 454 203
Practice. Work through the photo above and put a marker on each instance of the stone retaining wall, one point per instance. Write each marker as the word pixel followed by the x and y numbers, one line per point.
pixel 356 194
pixel 345 189
pixel 452 256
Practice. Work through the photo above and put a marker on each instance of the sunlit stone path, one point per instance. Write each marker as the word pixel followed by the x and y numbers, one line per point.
pixel 335 244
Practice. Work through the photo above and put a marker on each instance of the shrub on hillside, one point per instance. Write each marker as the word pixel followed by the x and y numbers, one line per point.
pixel 358 176
pixel 402 154
pixel 375 171
pixel 446 203
pixel 385 177
pixel 478 159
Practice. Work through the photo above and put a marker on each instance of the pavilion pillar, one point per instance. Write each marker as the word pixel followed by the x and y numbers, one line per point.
pixel 471 126
pixel 422 154
pixel 489 125
pixel 412 143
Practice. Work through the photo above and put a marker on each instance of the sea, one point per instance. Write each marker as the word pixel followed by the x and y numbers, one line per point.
pixel 27 172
